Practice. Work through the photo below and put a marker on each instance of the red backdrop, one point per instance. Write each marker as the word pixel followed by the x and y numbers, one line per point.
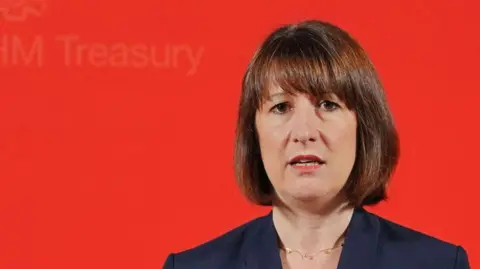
pixel 117 121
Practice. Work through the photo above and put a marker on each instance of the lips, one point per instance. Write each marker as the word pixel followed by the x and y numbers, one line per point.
pixel 306 160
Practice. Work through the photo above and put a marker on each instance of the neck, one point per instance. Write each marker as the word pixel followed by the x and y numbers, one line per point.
pixel 309 231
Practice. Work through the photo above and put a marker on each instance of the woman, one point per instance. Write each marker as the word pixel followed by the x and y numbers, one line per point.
pixel 317 142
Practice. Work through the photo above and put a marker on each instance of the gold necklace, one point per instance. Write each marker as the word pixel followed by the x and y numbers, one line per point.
pixel 311 256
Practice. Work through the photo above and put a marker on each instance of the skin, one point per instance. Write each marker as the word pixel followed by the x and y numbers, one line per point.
pixel 310 212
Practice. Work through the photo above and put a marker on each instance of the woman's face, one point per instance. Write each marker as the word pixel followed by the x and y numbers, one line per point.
pixel 307 147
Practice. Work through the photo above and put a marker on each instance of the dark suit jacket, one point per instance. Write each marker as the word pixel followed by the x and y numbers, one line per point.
pixel 370 242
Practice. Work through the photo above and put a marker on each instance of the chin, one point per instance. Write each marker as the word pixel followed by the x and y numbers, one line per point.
pixel 310 193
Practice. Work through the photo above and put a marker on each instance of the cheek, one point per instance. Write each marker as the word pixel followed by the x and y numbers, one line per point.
pixel 341 141
pixel 271 136
pixel 272 144
pixel 343 147
pixel 343 133
pixel 344 137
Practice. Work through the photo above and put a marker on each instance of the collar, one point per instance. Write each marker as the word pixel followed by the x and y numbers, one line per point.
pixel 260 249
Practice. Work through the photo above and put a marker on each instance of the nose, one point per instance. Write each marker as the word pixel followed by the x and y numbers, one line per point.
pixel 303 126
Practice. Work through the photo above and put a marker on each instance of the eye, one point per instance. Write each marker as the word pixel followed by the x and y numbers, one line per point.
pixel 329 105
pixel 280 108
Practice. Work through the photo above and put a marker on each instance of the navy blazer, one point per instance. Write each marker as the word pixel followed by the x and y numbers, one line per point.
pixel 370 242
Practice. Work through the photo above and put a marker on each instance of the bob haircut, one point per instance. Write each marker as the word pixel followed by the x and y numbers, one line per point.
pixel 317 58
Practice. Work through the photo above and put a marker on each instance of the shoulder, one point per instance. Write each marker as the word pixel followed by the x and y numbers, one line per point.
pixel 404 245
pixel 219 252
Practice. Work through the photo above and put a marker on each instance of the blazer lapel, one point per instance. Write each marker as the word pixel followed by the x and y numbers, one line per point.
pixel 261 246
pixel 361 241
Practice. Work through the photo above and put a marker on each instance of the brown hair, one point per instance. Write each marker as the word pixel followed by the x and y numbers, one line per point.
pixel 318 58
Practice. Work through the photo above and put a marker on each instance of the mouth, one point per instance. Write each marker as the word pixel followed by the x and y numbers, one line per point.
pixel 306 161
